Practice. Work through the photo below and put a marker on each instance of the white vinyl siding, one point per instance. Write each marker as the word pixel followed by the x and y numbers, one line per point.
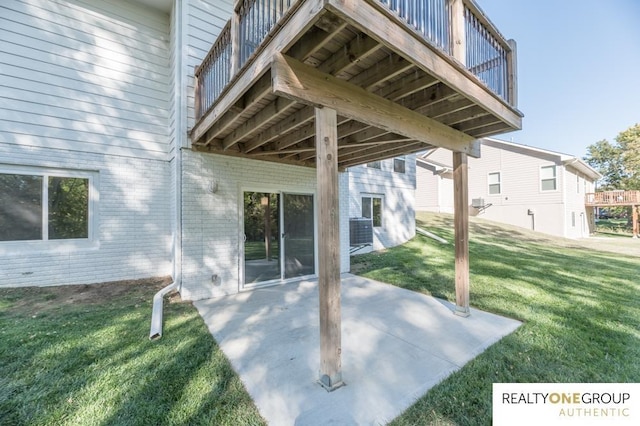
pixel 495 183
pixel 88 76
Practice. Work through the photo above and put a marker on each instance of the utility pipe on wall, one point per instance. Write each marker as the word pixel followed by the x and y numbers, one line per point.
pixel 156 312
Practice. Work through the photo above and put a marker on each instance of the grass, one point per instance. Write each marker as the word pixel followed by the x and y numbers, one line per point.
pixel 580 308
pixel 614 226
pixel 83 357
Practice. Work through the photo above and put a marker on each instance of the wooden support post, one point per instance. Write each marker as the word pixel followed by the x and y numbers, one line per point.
pixel 461 231
pixel 235 39
pixel 458 35
pixel 636 225
pixel 512 73
pixel 328 248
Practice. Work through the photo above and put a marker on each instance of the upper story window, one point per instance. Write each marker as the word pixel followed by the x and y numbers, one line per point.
pixel 374 165
pixel 372 208
pixel 45 205
pixel 495 183
pixel 577 183
pixel 399 165
pixel 548 178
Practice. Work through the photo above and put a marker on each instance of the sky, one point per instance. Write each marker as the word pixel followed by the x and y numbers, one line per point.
pixel 578 69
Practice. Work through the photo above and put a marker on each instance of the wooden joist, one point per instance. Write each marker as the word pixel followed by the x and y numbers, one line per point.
pixel 295 80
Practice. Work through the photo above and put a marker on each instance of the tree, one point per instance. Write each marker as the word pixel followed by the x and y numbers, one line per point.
pixel 618 162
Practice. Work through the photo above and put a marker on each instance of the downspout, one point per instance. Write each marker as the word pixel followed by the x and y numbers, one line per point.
pixel 156 313
pixel 158 299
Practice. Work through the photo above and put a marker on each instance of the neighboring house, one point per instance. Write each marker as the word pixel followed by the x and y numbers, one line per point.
pixel 515 184
pixel 383 191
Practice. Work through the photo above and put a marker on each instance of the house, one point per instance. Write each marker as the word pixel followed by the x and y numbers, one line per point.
pixel 383 192
pixel 515 184
pixel 213 141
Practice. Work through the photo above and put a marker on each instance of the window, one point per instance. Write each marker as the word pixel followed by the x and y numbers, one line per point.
pixel 399 165
pixel 548 178
pixel 494 183
pixel 44 206
pixel 372 208
pixel 578 184
pixel 573 219
pixel 374 165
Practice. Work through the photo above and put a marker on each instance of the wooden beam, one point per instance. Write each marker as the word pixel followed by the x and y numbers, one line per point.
pixel 295 80
pixel 636 225
pixel 353 52
pixel 329 249
pixel 281 128
pixel 276 108
pixel 408 149
pixel 461 231
pixel 316 39
pixel 393 67
pixel 395 35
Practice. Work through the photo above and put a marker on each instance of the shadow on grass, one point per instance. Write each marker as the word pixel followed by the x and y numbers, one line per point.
pixel 580 308
pixel 93 364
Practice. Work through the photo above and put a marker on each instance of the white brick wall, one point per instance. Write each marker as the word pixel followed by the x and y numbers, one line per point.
pixel 211 224
pixel 133 235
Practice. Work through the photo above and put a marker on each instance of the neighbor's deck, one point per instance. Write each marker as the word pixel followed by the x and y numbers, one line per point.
pixel 403 76
pixel 613 198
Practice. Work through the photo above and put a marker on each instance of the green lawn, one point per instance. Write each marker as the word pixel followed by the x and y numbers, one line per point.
pixel 580 308
pixel 81 355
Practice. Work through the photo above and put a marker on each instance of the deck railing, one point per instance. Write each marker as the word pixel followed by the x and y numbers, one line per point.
pixel 213 75
pixel 612 198
pixel 456 27
pixel 256 19
pixel 429 17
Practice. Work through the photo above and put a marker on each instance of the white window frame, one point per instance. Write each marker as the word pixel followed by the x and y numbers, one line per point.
pixel 372 197
pixel 56 244
pixel 489 183
pixel 555 178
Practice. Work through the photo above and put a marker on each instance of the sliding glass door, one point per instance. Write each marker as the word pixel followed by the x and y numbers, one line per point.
pixel 279 236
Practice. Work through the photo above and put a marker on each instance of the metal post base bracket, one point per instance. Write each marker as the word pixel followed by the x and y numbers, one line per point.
pixel 331 385
pixel 461 311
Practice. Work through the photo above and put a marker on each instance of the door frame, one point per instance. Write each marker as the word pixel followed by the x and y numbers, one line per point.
pixel 280 190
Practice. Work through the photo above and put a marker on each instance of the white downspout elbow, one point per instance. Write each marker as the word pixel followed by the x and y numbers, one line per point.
pixel 156 313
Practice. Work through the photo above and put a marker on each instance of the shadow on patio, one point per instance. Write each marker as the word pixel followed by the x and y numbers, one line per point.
pixel 396 345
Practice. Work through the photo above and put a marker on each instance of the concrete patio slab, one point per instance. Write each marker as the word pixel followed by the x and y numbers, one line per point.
pixel 396 345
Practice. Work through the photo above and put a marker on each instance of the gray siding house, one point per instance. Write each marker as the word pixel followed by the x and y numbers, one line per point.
pixel 515 184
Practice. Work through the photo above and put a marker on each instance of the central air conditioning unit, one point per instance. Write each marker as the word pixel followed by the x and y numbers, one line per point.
pixel 360 231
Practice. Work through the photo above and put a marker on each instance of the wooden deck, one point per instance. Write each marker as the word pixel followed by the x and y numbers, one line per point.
pixel 399 84
pixel 613 198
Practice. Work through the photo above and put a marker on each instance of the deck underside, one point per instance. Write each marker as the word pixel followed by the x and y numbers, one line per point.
pixel 389 101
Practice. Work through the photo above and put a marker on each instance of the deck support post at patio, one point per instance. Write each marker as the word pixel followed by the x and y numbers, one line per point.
pixel 461 231
pixel 636 225
pixel 328 248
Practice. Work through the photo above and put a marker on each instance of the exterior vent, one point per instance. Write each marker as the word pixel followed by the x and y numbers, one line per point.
pixel 360 231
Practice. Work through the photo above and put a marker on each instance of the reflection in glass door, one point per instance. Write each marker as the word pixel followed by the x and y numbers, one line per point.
pixel 261 237
pixel 279 241
pixel 298 235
